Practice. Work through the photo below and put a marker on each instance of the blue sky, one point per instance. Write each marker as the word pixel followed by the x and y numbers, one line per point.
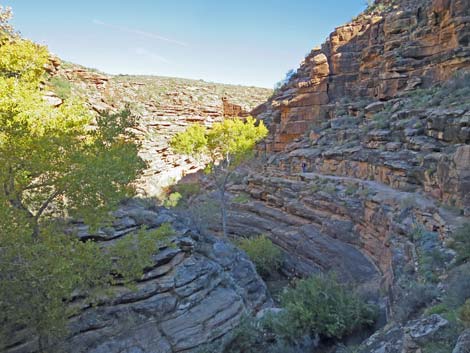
pixel 251 42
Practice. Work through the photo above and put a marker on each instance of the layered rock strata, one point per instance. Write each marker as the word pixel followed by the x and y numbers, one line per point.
pixel 393 47
pixel 195 293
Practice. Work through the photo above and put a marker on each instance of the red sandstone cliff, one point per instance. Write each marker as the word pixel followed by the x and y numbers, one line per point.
pixel 393 47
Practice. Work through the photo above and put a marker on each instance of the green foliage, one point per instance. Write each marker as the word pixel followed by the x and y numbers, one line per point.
pixel 180 194
pixel 132 254
pixel 461 243
pixel 415 297
pixel 192 140
pixel 464 313
pixel 241 198
pixel 320 305
pixel 38 277
pixel 172 200
pixel 227 143
pixel 54 166
pixel 245 338
pixel 187 190
pixel 264 254
pixel 455 92
pixel 225 147
pixel 61 86
pixel 21 60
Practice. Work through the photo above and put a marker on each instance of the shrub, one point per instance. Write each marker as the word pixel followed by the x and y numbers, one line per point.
pixel 242 198
pixel 458 286
pixel 61 87
pixel 461 243
pixel 265 255
pixel 320 305
pixel 186 190
pixel 132 254
pixel 172 200
pixel 414 298
pixel 245 338
pixel 464 313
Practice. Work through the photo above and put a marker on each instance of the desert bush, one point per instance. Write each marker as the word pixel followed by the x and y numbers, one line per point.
pixel 320 306
pixel 133 253
pixel 241 198
pixel 61 87
pixel 245 338
pixel 461 243
pixel 186 190
pixel 464 313
pixel 172 200
pixel 458 286
pixel 265 255
pixel 414 298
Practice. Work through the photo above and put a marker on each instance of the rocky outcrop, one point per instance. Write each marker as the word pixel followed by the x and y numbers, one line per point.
pixel 463 343
pixel 395 46
pixel 369 144
pixel 231 110
pixel 195 293
pixel 408 338
pixel 163 106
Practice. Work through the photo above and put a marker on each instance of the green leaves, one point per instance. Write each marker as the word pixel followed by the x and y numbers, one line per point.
pixel 320 305
pixel 265 255
pixel 23 60
pixel 57 163
pixel 231 141
pixel 193 141
pixel 132 254
pixel 224 146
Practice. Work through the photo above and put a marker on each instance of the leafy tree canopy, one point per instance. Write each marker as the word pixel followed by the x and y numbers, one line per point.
pixel 56 164
pixel 225 145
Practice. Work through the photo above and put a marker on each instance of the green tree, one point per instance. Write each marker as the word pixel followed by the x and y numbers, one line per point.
pixel 57 164
pixel 226 145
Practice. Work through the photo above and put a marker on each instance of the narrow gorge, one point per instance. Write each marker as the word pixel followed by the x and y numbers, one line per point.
pixel 365 173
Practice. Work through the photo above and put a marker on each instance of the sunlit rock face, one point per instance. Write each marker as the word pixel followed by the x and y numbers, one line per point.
pixel 398 46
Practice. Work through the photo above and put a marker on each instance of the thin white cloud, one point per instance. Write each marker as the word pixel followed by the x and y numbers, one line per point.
pixel 139 32
pixel 153 56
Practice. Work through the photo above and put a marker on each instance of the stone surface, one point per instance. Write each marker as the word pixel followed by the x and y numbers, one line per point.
pixel 394 47
pixel 163 106
pixel 463 343
pixel 195 293
pixel 404 339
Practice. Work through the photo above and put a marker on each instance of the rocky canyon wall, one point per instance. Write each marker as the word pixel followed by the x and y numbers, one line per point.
pixel 393 47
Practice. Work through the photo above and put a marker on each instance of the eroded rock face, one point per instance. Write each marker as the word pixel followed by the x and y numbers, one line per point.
pixel 463 343
pixel 404 339
pixel 395 47
pixel 163 106
pixel 195 293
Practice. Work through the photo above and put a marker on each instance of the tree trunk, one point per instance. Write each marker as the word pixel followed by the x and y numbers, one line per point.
pixel 223 212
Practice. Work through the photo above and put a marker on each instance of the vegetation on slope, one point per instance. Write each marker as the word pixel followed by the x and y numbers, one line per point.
pixel 55 167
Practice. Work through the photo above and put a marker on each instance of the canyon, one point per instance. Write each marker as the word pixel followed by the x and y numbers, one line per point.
pixel 365 173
